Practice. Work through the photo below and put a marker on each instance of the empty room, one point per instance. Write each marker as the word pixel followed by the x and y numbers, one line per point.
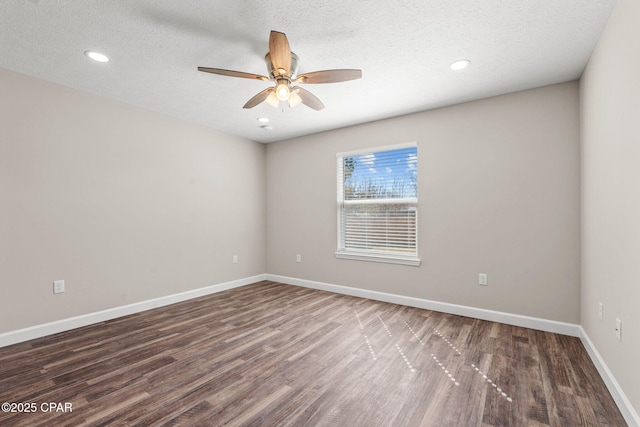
pixel 420 213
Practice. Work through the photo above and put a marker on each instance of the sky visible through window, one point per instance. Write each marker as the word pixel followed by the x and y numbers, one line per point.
pixel 386 174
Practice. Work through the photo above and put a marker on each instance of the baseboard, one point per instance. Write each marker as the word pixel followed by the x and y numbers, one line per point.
pixel 628 412
pixel 21 335
pixel 461 310
pixel 625 406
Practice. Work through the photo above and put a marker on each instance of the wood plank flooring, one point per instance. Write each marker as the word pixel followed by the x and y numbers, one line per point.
pixel 270 354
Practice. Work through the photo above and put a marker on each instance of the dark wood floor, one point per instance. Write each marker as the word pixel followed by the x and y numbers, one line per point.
pixel 271 354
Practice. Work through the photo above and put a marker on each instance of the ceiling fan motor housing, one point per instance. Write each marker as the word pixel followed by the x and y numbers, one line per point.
pixel 274 74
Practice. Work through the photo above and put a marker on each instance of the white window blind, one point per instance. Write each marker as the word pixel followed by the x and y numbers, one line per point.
pixel 378 205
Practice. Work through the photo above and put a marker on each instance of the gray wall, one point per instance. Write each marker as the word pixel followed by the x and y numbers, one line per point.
pixel 610 117
pixel 499 194
pixel 123 204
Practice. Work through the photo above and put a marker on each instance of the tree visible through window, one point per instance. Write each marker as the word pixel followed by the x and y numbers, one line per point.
pixel 378 205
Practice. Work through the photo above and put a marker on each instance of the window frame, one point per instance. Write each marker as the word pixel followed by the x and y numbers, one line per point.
pixel 372 256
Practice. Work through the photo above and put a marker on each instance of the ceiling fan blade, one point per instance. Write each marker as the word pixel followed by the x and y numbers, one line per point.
pixel 260 97
pixel 329 76
pixel 280 52
pixel 308 99
pixel 232 73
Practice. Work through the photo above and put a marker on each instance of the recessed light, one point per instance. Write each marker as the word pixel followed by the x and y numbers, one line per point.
pixel 460 64
pixel 263 119
pixel 97 56
pixel 266 127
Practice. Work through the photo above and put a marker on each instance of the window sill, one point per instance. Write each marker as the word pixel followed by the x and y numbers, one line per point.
pixel 389 259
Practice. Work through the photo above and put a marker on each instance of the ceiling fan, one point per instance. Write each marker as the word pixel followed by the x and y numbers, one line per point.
pixel 282 65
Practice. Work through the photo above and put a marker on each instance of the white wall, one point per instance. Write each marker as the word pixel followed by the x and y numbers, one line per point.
pixel 499 194
pixel 123 204
pixel 610 150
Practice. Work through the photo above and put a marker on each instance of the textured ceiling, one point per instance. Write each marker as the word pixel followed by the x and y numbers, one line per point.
pixel 404 49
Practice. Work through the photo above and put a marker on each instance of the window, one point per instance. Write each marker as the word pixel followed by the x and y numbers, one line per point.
pixel 378 205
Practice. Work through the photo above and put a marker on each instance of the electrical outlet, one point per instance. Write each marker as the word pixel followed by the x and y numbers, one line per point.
pixel 58 286
pixel 298 258
pixel 619 329
pixel 482 279
pixel 600 311
pixel 235 259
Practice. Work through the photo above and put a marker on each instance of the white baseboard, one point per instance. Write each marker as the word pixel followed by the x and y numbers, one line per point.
pixel 628 412
pixel 21 335
pixel 461 310
pixel 625 406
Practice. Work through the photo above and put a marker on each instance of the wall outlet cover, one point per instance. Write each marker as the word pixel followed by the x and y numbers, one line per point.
pixel 58 286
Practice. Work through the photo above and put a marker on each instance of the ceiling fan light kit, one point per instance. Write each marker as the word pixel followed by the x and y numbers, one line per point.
pixel 282 89
pixel 282 66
